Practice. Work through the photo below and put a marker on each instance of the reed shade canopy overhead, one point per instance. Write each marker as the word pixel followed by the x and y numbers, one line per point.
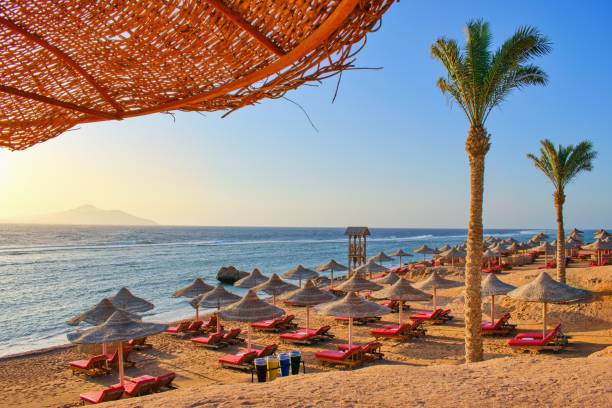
pixel 492 286
pixel 601 234
pixel 443 248
pixel 425 250
pixel 118 328
pixel 358 283
pixel 125 300
pixel 576 231
pixel 275 286
pixel 381 257
pixel 452 254
pixel 216 298
pixel 435 282
pixel 309 296
pixel 403 291
pixel 251 280
pixel 370 267
pixel 352 306
pixel 73 62
pixel 331 266
pixel 195 288
pixel 390 279
pixel 98 314
pixel 300 273
pixel 545 289
pixel 400 253
pixel 250 309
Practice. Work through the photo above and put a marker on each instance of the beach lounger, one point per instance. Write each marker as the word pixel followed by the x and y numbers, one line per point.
pixel 210 324
pixel 307 336
pixel 500 327
pixel 231 337
pixel 112 393
pixel 268 325
pixel 95 365
pixel 349 358
pixel 164 381
pixel 555 340
pixel 370 351
pixel 194 326
pixel 404 331
pixel 214 340
pixel 438 316
pixel 269 350
pixel 139 344
pixel 138 386
pixel 178 329
pixel 242 360
pixel 288 323
pixel 394 305
pixel 358 321
pixel 112 359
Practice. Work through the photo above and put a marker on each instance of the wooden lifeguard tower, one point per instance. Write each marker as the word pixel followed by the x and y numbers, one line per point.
pixel 356 246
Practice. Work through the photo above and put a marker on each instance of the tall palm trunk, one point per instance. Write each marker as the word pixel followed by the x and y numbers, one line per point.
pixel 559 201
pixel 477 146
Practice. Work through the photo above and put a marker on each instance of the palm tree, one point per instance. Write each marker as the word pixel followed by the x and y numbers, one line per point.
pixel 479 80
pixel 562 165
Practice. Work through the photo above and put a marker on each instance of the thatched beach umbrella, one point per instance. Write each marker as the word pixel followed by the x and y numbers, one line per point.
pixel 98 314
pixel 195 288
pixel 488 254
pixel 380 257
pixel 274 286
pixel 546 248
pixel 390 279
pixel 251 280
pixel 514 247
pixel 444 247
pixel 600 234
pixel 217 298
pixel 576 231
pixel 401 254
pixel 250 309
pixel 299 273
pixel 309 296
pixel 352 306
pixel 370 267
pixel 452 254
pixel 492 286
pixel 402 291
pixel 435 282
pixel 358 283
pixel 545 289
pixel 425 250
pixel 118 328
pixel 598 246
pixel 331 266
pixel 125 300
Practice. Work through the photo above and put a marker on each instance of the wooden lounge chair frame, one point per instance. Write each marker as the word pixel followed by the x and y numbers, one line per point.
pixel 352 361
pixel 503 329
pixel 559 342
pixel 98 367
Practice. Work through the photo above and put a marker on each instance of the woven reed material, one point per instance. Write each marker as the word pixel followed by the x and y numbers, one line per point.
pixel 250 309
pixel 195 288
pixel 353 306
pixel 357 283
pixel 381 257
pixel 492 286
pixel 98 314
pixel 390 279
pixel 125 300
pixel 309 295
pixel 217 298
pixel 252 279
pixel 118 327
pixel 546 289
pixel 402 290
pixel 331 266
pixel 72 62
pixel 275 286
pixel 435 281
pixel 299 272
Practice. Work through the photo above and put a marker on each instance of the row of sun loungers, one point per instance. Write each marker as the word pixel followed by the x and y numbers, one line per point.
pixel 101 364
pixel 134 387
pixel 220 339
pixel 193 327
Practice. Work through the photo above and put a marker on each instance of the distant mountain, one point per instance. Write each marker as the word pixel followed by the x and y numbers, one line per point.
pixel 90 215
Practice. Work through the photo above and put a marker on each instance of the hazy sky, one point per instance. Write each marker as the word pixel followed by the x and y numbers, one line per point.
pixel 389 151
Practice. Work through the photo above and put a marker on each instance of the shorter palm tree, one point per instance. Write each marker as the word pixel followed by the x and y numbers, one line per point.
pixel 562 165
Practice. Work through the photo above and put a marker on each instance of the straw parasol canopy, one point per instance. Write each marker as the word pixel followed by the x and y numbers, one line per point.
pixel 403 291
pixel 514 247
pixel 216 298
pixel 490 254
pixel 370 267
pixel 274 286
pixel 401 254
pixel 576 231
pixel 250 309
pixel 381 257
pixel 112 61
pixel 352 306
pixel 390 279
pixel 425 250
pixel 435 282
pixel 309 296
pixel 452 254
pixel 444 247
pixel 358 283
pixel 98 314
pixel 492 286
pixel 299 273
pixel 602 235
pixel 251 280
pixel 125 300
pixel 119 327
pixel 331 266
pixel 545 289
pixel 195 288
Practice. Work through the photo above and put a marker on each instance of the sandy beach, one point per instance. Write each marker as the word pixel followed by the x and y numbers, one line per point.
pixel 577 376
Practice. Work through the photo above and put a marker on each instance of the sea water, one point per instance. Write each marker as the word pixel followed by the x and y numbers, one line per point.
pixel 49 274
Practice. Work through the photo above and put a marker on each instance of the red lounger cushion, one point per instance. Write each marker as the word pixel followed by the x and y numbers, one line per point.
pixel 239 358
pixel 96 397
pixel 300 335
pixel 337 355
pixel 213 338
pixel 267 324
